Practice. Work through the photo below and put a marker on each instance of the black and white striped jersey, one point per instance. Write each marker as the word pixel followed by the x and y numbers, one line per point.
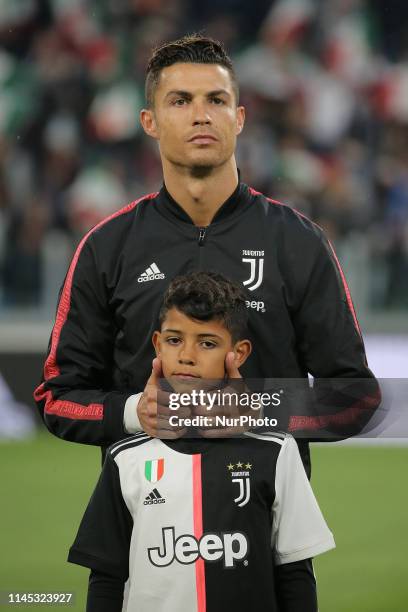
pixel 198 525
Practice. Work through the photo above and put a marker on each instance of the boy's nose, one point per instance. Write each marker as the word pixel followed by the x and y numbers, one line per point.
pixel 186 356
pixel 186 360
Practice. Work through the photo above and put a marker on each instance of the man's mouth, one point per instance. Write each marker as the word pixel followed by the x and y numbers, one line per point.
pixel 203 139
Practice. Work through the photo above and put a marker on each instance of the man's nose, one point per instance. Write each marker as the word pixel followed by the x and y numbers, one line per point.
pixel 201 116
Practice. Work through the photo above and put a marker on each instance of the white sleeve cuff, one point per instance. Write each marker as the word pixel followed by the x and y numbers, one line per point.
pixel 131 421
pixel 306 553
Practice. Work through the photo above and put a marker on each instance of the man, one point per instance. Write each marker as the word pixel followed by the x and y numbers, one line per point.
pixel 301 316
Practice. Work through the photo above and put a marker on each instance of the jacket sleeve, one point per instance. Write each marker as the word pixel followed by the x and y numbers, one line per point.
pixel 75 396
pixel 329 342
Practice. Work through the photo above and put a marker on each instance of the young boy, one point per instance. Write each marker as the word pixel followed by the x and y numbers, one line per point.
pixel 201 525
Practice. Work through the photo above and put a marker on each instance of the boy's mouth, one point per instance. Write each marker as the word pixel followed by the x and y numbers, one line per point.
pixel 185 375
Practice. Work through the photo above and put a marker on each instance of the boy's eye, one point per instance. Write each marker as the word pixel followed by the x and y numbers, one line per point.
pixel 173 340
pixel 208 344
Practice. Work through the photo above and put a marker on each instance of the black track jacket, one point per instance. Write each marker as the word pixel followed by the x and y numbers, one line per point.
pixel 301 314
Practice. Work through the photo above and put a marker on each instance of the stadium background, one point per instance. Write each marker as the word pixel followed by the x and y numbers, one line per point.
pixel 325 84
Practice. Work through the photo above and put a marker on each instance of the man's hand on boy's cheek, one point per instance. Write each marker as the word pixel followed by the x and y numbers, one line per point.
pixel 226 408
pixel 153 408
pixel 164 429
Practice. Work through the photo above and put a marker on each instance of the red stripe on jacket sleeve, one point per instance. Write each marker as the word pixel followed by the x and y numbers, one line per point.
pixel 73 410
pixel 346 289
pixel 346 417
pixel 51 369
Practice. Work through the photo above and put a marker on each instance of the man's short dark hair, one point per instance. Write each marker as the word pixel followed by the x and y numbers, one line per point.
pixel 191 49
pixel 208 296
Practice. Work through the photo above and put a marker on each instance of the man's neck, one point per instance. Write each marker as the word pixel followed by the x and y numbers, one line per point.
pixel 201 197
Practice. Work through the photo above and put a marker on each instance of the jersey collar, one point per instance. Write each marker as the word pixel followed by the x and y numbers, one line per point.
pixel 239 200
pixel 193 446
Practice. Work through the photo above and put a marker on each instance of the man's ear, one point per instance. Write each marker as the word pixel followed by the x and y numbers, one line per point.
pixel 242 350
pixel 148 121
pixel 240 119
pixel 156 341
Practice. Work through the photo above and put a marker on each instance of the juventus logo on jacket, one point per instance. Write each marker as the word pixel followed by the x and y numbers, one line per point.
pixel 256 272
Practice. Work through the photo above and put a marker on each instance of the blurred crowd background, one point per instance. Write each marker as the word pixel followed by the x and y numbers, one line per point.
pixel 325 85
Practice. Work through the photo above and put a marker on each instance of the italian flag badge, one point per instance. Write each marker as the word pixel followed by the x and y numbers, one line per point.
pixel 154 469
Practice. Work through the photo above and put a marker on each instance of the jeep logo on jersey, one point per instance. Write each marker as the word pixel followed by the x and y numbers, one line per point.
pixel 256 270
pixel 185 549
pixel 154 470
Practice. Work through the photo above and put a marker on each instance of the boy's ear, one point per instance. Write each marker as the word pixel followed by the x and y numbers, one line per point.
pixel 242 350
pixel 156 341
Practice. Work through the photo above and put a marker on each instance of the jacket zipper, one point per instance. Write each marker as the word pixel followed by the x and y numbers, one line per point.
pixel 201 235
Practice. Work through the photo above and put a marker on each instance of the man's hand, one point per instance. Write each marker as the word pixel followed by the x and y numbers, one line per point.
pixel 228 410
pixel 153 408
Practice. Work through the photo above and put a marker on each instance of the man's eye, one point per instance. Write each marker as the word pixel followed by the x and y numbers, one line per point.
pixel 180 102
pixel 173 341
pixel 217 101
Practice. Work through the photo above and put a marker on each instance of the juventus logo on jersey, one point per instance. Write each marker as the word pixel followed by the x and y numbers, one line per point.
pixel 256 270
pixel 240 473
pixel 244 491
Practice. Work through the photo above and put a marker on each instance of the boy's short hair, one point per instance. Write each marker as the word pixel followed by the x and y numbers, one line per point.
pixel 191 49
pixel 206 296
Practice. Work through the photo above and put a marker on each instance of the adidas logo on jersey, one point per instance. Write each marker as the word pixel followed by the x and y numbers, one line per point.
pixel 230 547
pixel 151 273
pixel 154 498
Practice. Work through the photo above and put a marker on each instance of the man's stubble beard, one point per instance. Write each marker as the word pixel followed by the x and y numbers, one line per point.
pixel 198 169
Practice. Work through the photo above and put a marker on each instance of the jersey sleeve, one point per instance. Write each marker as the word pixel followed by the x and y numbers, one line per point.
pixel 103 539
pixel 329 341
pixel 75 397
pixel 299 530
